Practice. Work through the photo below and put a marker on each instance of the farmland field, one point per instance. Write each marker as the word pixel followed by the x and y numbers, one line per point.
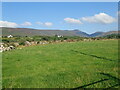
pixel 91 64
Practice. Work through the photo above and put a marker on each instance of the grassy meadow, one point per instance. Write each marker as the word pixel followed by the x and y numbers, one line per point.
pixel 91 64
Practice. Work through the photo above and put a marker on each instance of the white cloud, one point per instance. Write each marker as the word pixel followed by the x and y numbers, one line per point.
pixel 47 24
pixel 72 20
pixel 26 24
pixel 100 18
pixel 7 24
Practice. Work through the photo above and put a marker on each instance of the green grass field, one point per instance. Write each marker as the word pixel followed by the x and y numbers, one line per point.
pixel 91 64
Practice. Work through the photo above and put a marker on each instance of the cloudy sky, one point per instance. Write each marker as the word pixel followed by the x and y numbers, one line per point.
pixel 85 16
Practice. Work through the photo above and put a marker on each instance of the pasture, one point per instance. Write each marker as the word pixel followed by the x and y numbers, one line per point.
pixel 91 64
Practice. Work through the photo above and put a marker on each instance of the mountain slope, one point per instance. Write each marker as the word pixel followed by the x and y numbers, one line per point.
pixel 101 34
pixel 110 32
pixel 96 34
pixel 33 32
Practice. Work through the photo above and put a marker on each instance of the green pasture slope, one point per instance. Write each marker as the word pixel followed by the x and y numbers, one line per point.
pixel 91 64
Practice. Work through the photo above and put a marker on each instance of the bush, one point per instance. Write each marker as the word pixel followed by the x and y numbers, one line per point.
pixel 22 43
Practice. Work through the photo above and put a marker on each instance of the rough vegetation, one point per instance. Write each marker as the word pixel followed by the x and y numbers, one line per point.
pixel 14 42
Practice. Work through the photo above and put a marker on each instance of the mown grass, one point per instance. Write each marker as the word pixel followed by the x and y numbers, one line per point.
pixel 62 65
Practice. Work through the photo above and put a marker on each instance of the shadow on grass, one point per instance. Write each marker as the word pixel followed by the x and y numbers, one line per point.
pixel 105 74
pixel 93 56
pixel 112 77
pixel 113 86
pixel 108 75
pixel 90 84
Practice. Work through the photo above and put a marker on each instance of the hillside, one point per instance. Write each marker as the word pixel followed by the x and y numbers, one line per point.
pixel 96 34
pixel 35 32
pixel 110 32
pixel 101 34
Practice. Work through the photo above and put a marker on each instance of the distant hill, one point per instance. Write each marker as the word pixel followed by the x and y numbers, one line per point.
pixel 96 34
pixel 101 34
pixel 35 32
pixel 110 32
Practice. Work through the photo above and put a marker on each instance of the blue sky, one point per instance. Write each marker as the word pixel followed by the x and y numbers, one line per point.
pixel 85 16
